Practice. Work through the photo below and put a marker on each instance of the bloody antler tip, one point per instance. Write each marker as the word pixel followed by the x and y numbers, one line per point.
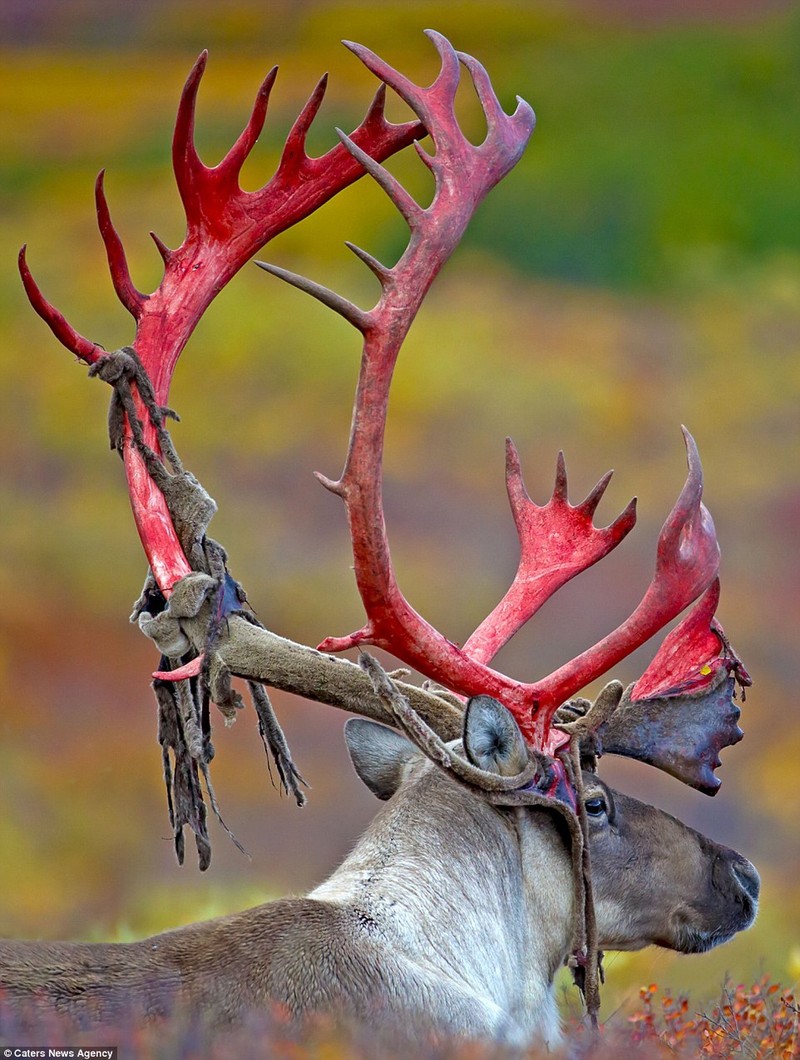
pixel 357 49
pixel 31 286
pixel 513 463
pixel 25 273
pixel 101 205
pixel 196 72
pixel 32 290
pixel 435 35
pixel 691 445
pixel 100 192
pixel 262 99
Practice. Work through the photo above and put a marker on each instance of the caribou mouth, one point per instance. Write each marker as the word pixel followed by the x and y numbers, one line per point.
pixel 689 938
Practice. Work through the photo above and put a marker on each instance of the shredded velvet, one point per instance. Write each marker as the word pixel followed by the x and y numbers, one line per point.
pixel 203 600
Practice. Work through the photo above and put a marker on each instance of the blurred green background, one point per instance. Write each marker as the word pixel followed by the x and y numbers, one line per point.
pixel 638 270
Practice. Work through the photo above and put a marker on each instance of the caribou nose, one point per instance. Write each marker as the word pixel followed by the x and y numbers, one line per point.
pixel 747 877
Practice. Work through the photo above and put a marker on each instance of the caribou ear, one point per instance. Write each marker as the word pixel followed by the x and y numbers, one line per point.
pixel 492 739
pixel 378 754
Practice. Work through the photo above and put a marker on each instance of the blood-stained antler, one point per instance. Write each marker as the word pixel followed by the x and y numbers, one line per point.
pixel 463 175
pixel 225 226
pixel 558 540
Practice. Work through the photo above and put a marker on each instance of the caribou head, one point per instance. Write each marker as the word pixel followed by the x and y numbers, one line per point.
pixel 495 811
pixel 656 881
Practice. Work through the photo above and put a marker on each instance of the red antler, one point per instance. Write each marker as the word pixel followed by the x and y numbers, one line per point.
pixel 225 226
pixel 557 540
pixel 687 561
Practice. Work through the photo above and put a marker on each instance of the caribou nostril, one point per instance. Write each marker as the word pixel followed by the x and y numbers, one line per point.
pixel 747 878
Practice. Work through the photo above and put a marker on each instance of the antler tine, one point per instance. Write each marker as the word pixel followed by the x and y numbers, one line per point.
pixel 557 542
pixel 65 333
pixel 407 206
pixel 186 162
pixel 377 109
pixel 131 298
pixel 225 227
pixel 345 308
pixel 294 150
pixel 388 75
pixel 378 269
pixel 561 488
pixel 485 91
pixel 446 84
pixel 248 138
pixel 592 499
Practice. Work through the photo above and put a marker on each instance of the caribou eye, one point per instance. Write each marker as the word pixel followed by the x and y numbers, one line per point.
pixel 596 806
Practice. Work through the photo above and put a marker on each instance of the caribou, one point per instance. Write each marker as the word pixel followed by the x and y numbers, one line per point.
pixel 500 855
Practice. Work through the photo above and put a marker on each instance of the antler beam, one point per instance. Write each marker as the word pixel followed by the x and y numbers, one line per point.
pixel 463 174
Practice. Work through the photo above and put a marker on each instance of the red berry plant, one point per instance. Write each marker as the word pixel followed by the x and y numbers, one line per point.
pixel 759 1021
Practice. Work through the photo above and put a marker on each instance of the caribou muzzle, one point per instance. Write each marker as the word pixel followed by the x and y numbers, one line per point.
pixel 659 881
pixel 729 905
